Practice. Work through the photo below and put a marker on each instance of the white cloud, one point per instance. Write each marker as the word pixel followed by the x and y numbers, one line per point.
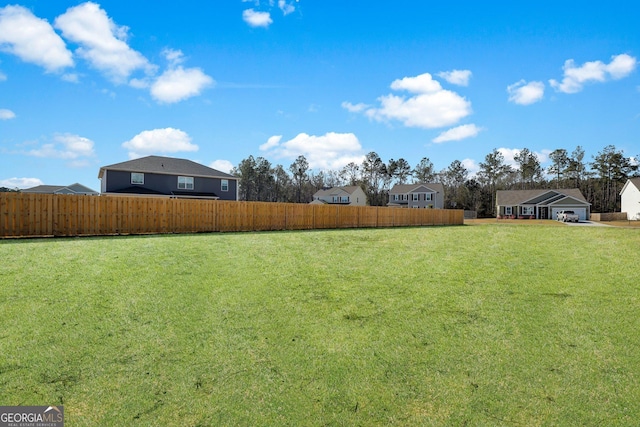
pixel 222 165
pixel 78 145
pixel 175 57
pixel 3 77
pixel 167 140
pixel 65 146
pixel 543 155
pixel 329 151
pixel 510 153
pixel 140 83
pixel 32 39
pixel 70 77
pixel 101 41
pixel 621 66
pixel 430 107
pixel 471 166
pixel 354 108
pixel 179 83
pixel 592 72
pixel 7 114
pixel 285 7
pixel 423 83
pixel 456 77
pixel 257 19
pixel 273 141
pixel 20 182
pixel 458 133
pixel 524 93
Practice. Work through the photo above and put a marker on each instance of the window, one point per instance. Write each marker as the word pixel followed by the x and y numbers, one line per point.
pixel 344 199
pixel 507 210
pixel 335 199
pixel 224 185
pixel 527 210
pixel 185 182
pixel 428 197
pixel 415 206
pixel 415 197
pixel 396 197
pixel 137 178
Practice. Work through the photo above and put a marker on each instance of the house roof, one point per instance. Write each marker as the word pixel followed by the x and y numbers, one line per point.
pixel 166 165
pixel 65 189
pixel 519 197
pixel 634 181
pixel 410 188
pixel 47 189
pixel 350 189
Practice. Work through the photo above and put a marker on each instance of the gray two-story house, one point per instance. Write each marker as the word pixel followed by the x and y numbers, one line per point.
pixel 156 175
pixel 420 195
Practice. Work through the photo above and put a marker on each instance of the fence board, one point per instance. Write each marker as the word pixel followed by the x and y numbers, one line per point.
pixel 385 217
pixel 30 215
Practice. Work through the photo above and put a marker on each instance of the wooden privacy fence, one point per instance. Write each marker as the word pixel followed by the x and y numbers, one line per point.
pixel 30 215
pixel 609 216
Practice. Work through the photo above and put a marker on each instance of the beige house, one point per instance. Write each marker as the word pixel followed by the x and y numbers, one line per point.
pixel 630 198
pixel 350 196
pixel 541 204
pixel 420 195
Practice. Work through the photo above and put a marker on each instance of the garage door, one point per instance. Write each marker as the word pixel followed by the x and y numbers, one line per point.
pixel 582 212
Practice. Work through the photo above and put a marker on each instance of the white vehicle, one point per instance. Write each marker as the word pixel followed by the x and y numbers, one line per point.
pixel 568 216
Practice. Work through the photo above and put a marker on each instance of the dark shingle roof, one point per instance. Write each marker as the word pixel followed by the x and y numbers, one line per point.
pixel 166 165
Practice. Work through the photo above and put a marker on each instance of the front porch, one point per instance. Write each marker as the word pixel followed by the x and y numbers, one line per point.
pixel 523 212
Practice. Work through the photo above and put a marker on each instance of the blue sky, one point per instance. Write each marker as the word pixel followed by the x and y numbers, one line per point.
pixel 83 85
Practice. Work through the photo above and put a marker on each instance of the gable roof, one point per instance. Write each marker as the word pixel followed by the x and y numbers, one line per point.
pixel 408 188
pixel 634 181
pixel 519 197
pixel 48 189
pixel 350 189
pixel 79 188
pixel 60 189
pixel 166 165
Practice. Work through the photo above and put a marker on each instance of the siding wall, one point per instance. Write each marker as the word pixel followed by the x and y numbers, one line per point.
pixel 165 184
pixel 630 202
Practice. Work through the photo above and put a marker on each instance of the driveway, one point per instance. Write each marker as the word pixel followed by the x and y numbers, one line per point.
pixel 586 224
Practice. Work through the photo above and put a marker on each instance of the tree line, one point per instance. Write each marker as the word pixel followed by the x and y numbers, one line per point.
pixel 600 180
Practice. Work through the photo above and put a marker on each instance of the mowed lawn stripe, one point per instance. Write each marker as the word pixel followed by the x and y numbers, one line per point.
pixel 484 325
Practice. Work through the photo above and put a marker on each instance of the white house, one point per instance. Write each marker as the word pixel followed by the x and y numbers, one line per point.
pixel 630 197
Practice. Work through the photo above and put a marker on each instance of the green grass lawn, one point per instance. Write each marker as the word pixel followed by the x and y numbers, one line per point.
pixel 495 324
